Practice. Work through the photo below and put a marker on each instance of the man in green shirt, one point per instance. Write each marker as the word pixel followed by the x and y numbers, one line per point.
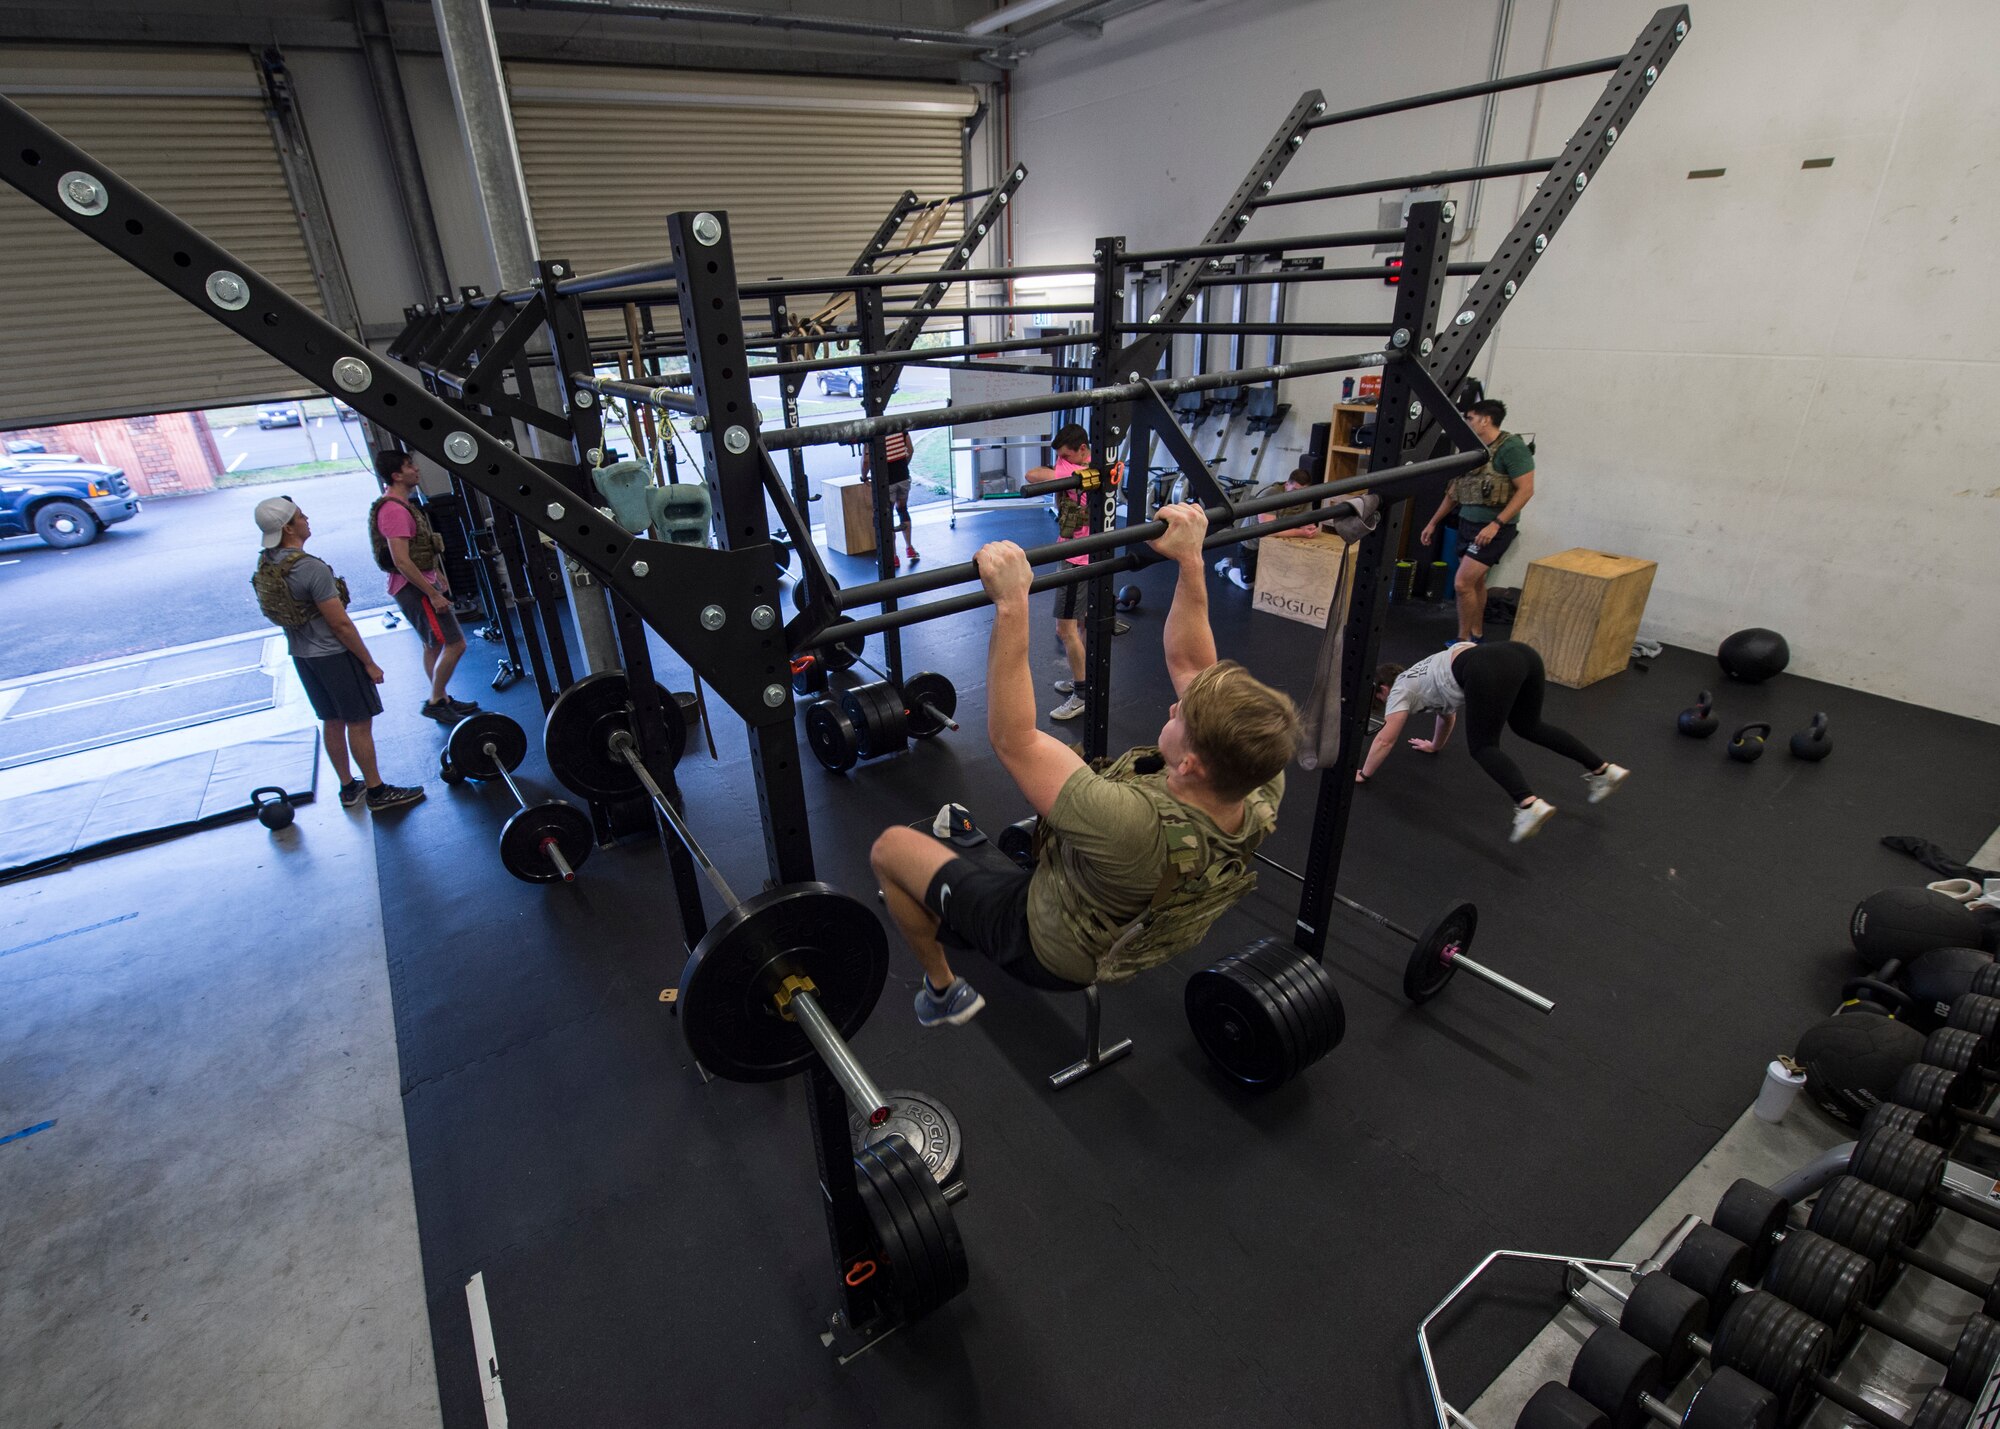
pixel 1132 863
pixel 1489 503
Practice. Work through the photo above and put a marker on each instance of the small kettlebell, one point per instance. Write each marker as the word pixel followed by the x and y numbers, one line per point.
pixel 275 812
pixel 1129 597
pixel 1813 744
pixel 1746 746
pixel 1696 722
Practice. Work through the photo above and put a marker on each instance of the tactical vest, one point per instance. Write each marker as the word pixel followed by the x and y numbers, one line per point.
pixel 425 547
pixel 1199 885
pixel 1485 486
pixel 274 591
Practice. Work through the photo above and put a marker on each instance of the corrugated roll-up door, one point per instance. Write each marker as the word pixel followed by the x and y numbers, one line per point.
pixel 806 168
pixel 87 335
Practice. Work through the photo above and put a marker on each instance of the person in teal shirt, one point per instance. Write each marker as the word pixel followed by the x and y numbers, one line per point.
pixel 1488 502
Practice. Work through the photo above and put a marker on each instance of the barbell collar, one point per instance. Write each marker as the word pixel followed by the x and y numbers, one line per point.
pixel 622 745
pixel 800 1004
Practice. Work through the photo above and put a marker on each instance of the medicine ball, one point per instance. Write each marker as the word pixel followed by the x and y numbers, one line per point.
pixel 1937 979
pixel 1902 922
pixel 1852 1062
pixel 1753 655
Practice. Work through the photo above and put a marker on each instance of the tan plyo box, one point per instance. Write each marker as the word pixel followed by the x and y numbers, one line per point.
pixel 852 532
pixel 1296 578
pixel 1581 609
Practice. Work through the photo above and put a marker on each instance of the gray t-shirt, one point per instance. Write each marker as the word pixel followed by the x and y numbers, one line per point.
pixel 1428 685
pixel 310 580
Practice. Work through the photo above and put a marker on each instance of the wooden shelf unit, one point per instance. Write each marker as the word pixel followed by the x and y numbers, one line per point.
pixel 1343 458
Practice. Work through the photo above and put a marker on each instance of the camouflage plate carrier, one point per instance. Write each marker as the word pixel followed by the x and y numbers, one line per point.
pixel 425 547
pixel 1484 486
pixel 271 581
pixel 1199 885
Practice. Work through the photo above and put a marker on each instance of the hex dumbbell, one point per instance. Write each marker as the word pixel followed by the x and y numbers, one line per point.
pixel 1616 1384
pixel 1872 1223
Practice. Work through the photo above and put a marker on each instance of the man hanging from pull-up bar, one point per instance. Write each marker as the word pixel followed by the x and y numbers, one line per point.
pixel 1132 862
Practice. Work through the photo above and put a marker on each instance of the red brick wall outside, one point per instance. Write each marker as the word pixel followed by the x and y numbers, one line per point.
pixel 169 455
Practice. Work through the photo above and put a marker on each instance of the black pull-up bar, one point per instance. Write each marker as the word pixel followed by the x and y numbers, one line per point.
pixel 861 429
pixel 1362 239
pixel 1322 275
pixel 1270 329
pixel 1061 551
pixel 1435 179
pixel 1469 91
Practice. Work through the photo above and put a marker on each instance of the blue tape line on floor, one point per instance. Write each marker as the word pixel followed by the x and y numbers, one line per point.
pixel 27 1131
pixel 58 937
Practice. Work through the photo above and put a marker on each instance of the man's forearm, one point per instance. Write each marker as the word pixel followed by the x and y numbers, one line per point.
pixel 1010 685
pixel 347 634
pixel 410 573
pixel 1444 509
pixel 1189 643
pixel 1512 509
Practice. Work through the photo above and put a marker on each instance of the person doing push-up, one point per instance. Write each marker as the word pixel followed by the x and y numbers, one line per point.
pixel 1133 862
pixel 1496 685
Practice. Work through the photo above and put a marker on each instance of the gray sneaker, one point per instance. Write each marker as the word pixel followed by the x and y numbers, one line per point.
pixel 1064 687
pixel 351 792
pixel 1068 709
pixel 384 797
pixel 955 1006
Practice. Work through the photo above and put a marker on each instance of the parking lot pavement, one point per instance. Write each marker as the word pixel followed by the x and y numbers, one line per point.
pixel 177 573
pixel 248 447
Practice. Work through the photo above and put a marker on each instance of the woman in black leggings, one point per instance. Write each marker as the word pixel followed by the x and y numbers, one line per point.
pixel 1496 685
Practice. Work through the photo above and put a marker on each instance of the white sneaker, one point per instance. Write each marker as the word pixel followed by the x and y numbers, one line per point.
pixel 1238 579
pixel 1064 687
pixel 1603 786
pixel 1068 709
pixel 1528 822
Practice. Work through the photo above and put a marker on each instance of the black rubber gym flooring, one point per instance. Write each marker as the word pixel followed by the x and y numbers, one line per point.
pixel 1150 1246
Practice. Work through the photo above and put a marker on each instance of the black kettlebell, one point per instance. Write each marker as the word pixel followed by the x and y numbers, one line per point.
pixel 1813 744
pixel 1746 746
pixel 1129 597
pixel 1695 721
pixel 275 812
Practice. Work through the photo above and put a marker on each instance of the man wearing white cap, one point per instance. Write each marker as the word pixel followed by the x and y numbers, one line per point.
pixel 302 596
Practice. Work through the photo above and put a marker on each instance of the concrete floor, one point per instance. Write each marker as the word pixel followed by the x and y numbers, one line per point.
pixel 218 1226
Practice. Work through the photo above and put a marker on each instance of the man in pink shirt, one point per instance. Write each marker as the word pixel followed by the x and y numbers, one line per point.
pixel 412 554
pixel 1072 446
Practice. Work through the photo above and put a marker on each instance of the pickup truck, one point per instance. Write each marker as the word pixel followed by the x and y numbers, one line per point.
pixel 65 500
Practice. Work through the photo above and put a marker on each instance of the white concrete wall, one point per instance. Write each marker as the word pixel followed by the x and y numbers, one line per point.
pixel 1776 383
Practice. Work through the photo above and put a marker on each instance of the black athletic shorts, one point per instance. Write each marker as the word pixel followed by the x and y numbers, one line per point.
pixel 1487 555
pixel 986 910
pixel 338 687
pixel 1069 600
pixel 437 628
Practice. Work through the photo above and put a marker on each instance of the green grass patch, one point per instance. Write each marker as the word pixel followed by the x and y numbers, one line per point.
pixel 298 471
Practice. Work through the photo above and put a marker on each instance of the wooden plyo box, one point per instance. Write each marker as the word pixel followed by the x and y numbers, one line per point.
pixel 850 526
pixel 1297 578
pixel 1581 609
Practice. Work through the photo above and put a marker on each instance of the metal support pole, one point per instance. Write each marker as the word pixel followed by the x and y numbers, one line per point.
pixel 1100 504
pixel 705 277
pixel 1397 418
pixel 877 385
pixel 295 157
pixel 788 389
pixel 371 25
pixel 479 91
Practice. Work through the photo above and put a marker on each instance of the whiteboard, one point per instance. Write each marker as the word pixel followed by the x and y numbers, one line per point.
pixel 970 384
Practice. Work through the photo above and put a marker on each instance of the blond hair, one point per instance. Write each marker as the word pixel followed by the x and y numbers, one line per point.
pixel 1244 731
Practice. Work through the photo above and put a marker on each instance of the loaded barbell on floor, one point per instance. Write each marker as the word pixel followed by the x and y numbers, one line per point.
pixel 540 843
pixel 869 721
pixel 782 980
pixel 1440 950
pixel 577 736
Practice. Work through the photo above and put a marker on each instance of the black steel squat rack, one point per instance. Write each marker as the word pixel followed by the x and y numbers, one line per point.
pixel 452 403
